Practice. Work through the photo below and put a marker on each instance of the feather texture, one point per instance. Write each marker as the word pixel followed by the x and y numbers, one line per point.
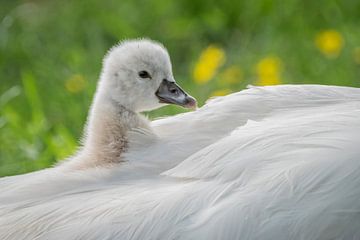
pixel 265 163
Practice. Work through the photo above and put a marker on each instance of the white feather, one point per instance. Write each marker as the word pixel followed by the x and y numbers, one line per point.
pixel 265 163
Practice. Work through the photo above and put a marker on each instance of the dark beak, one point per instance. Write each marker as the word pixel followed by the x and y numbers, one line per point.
pixel 170 93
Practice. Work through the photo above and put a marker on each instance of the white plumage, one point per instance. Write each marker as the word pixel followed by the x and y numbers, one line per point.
pixel 278 162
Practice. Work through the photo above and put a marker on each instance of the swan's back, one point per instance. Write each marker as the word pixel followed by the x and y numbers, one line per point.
pixel 265 163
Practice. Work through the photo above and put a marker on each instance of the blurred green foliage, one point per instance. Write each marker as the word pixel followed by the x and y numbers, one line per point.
pixel 51 53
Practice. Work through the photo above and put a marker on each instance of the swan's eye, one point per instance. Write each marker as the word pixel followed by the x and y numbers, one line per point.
pixel 144 74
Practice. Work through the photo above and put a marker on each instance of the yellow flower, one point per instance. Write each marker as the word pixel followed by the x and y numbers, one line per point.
pixel 75 83
pixel 221 92
pixel 330 43
pixel 356 55
pixel 208 63
pixel 231 75
pixel 268 71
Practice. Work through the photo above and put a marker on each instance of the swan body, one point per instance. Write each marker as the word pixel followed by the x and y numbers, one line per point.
pixel 277 162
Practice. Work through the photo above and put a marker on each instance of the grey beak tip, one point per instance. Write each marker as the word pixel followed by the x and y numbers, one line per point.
pixel 190 103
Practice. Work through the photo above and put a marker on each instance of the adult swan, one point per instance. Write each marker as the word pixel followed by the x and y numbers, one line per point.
pixel 265 163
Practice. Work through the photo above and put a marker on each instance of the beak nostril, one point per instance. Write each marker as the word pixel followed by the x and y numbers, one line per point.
pixel 174 91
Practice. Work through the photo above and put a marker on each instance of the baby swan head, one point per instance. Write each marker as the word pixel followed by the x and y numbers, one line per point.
pixel 137 74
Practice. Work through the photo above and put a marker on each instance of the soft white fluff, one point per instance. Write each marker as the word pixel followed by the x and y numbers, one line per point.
pixel 120 96
pixel 265 163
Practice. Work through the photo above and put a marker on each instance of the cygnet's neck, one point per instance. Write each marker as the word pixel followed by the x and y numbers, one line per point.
pixel 106 133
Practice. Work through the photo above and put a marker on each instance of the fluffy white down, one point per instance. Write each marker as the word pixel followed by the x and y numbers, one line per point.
pixel 265 163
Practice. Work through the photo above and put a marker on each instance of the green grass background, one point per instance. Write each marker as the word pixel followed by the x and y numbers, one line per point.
pixel 44 43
